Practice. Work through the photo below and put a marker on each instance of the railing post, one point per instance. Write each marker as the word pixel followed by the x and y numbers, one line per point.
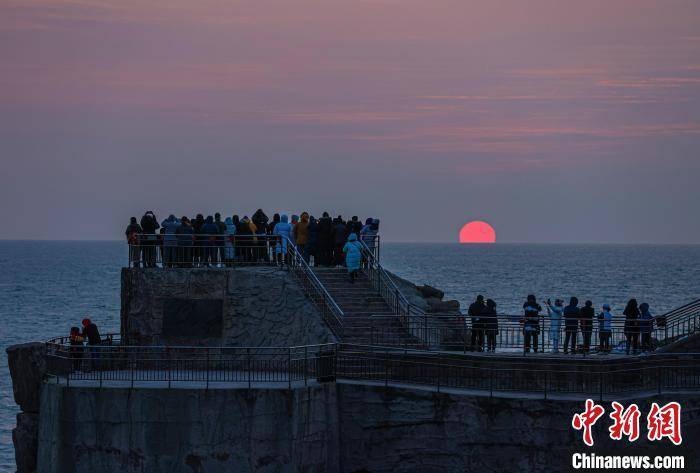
pixel 289 367
pixel 132 374
pixel 386 368
pixel 207 368
pixel 248 368
pixel 306 367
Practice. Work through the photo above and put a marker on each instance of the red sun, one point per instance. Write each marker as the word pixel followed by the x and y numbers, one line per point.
pixel 477 232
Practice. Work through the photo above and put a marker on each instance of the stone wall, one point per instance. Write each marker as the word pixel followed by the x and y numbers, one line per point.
pixel 262 306
pixel 333 427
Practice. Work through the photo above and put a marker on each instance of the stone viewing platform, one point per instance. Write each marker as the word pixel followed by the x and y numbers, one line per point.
pixel 280 366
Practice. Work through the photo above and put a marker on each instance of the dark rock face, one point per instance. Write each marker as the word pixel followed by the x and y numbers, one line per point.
pixel 27 368
pixel 332 427
pixel 429 291
pixel 238 306
pixel 25 438
pixel 437 306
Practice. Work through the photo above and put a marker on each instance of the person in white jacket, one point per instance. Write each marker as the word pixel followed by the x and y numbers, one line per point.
pixel 555 315
pixel 605 328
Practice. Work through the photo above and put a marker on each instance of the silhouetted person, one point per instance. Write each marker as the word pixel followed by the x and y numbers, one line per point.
pixel 185 241
pixel 490 323
pixel 92 335
pixel 312 242
pixel 475 312
pixel 339 239
pixel 571 315
pixel 221 238
pixel 605 328
pixel 149 224
pixel 200 240
pixel 324 246
pixel 531 322
pixel 244 240
pixel 229 254
pixel 353 226
pixel 170 226
pixel 133 234
pixel 76 345
pixel 586 315
pixel 631 314
pixel 210 231
pixel 646 326
pixel 260 220
pixel 283 231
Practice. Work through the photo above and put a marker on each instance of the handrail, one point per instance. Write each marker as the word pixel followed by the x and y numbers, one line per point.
pixel 333 314
pixel 296 366
pixel 387 289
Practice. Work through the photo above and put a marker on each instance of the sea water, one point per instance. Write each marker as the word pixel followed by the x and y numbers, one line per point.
pixel 47 287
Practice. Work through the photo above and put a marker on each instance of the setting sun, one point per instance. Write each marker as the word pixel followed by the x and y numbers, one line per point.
pixel 477 232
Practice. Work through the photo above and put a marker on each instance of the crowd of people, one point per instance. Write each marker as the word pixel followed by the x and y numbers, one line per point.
pixel 211 241
pixel 637 329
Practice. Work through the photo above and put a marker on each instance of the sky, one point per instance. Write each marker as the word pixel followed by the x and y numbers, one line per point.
pixel 553 120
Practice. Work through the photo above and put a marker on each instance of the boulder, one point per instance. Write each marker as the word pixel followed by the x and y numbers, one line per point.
pixel 437 306
pixel 27 364
pixel 430 292
pixel 25 437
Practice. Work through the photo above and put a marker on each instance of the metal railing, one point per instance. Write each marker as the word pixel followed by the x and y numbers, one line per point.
pixel 297 366
pixel 315 290
pixel 195 251
pixel 506 333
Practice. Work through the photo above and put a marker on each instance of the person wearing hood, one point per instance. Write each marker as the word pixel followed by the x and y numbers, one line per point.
pixel 312 240
pixel 353 225
pixel 586 315
pixel 229 250
pixel 300 235
pixel 555 313
pixel 283 231
pixel 490 324
pixel 133 230
pixel 531 322
pixel 605 328
pixel 324 244
pixel 244 240
pixel 631 314
pixel 339 239
pixel 646 326
pixel 170 226
pixel 210 230
pixel 475 312
pixel 260 220
pixel 149 224
pixel 571 315
pixel 271 226
pixel 353 256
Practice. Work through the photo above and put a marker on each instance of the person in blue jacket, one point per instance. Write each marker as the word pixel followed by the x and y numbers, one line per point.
pixel 646 326
pixel 282 229
pixel 353 256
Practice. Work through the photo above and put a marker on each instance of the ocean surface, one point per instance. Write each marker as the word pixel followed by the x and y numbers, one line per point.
pixel 46 287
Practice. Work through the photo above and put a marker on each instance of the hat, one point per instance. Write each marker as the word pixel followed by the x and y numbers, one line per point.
pixel 606 306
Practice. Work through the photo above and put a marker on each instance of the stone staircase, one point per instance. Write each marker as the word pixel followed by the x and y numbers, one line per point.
pixel 359 302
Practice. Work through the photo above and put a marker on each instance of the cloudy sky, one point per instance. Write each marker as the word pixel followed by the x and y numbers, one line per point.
pixel 555 121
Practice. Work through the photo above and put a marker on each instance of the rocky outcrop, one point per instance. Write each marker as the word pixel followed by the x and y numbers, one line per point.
pixel 260 306
pixel 428 298
pixel 27 365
